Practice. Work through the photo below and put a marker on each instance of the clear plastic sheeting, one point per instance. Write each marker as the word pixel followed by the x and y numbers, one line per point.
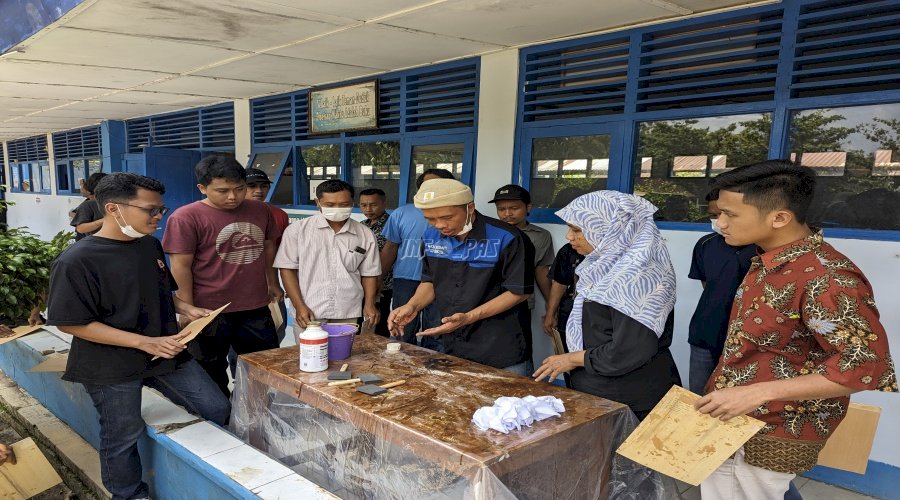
pixel 417 440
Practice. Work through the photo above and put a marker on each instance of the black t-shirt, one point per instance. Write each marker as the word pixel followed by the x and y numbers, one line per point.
pixel 563 269
pixel 722 267
pixel 624 360
pixel 88 211
pixel 125 285
pixel 494 258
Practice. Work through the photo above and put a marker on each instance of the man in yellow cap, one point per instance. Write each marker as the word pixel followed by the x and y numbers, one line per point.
pixel 479 273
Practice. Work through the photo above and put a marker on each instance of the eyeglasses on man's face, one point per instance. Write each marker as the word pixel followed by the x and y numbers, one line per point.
pixel 152 212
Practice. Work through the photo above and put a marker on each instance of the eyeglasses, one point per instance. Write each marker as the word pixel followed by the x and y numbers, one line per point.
pixel 152 212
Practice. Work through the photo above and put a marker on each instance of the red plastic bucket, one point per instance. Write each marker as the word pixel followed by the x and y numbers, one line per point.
pixel 340 340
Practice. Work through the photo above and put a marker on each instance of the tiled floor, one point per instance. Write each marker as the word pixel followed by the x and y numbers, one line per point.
pixel 809 490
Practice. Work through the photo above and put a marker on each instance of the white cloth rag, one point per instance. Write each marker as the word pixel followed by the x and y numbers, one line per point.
pixel 510 413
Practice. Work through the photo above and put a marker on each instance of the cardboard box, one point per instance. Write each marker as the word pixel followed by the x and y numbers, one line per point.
pixel 849 446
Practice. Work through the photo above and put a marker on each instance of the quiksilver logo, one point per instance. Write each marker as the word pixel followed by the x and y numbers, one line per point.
pixel 240 243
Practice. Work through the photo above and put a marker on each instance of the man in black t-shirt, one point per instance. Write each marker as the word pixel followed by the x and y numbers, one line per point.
pixel 562 291
pixel 88 218
pixel 720 268
pixel 113 293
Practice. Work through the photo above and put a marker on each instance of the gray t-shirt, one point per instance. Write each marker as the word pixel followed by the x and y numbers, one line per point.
pixel 543 251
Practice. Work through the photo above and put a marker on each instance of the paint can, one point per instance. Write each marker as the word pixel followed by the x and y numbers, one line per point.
pixel 313 343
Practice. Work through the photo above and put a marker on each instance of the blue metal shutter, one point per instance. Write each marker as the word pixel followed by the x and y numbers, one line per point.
pixel 28 149
pixel 271 119
pixel 846 46
pixel 721 62
pixel 576 81
pixel 209 128
pixel 441 99
pixel 78 143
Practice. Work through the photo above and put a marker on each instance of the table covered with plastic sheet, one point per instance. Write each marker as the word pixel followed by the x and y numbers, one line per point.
pixel 417 440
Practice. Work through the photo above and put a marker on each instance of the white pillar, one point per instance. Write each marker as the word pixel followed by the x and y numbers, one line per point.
pixel 242 134
pixel 496 125
pixel 51 159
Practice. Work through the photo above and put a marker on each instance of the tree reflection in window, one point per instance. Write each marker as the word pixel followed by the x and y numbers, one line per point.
pixel 564 168
pixel 677 158
pixel 322 162
pixel 449 157
pixel 855 152
pixel 377 165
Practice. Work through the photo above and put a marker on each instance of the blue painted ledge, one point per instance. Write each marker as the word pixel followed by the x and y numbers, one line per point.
pixel 170 469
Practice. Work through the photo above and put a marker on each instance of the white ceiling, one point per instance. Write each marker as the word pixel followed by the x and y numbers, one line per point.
pixel 119 59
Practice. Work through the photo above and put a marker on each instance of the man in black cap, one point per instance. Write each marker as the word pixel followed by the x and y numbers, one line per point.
pixel 513 206
pixel 258 185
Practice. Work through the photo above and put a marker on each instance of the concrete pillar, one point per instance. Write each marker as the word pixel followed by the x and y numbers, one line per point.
pixel 496 125
pixel 242 131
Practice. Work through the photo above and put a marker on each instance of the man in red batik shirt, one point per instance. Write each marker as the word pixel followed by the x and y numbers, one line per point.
pixel 804 333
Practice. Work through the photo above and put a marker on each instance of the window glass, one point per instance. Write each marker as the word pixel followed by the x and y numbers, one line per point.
pixel 45 176
pixel 677 158
pixel 95 165
pixel 79 169
pixel 16 180
pixel 449 157
pixel 563 168
pixel 855 152
pixel 62 176
pixel 322 161
pixel 377 165
pixel 268 162
pixel 284 188
pixel 25 169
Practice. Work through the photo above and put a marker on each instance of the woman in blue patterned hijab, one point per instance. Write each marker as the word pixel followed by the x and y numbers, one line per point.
pixel 620 328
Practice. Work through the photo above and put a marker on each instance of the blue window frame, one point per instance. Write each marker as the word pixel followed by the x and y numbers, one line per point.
pixel 776 61
pixel 567 161
pixel 77 154
pixel 28 165
pixel 427 114
pixel 272 161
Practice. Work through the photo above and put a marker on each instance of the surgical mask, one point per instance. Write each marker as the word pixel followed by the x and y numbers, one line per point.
pixel 127 229
pixel 467 226
pixel 715 227
pixel 336 214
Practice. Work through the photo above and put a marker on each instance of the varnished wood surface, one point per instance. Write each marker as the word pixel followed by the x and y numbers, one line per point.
pixel 431 413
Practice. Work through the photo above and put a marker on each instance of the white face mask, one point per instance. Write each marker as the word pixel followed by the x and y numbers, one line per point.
pixel 715 227
pixel 126 229
pixel 467 226
pixel 337 214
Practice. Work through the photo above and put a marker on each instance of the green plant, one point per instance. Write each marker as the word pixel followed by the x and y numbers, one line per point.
pixel 25 270
pixel 4 206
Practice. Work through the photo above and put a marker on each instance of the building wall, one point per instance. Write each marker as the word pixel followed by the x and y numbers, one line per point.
pixel 44 215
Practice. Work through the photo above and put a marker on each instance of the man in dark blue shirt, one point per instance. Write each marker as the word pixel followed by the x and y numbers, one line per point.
pixel 720 269
pixel 479 272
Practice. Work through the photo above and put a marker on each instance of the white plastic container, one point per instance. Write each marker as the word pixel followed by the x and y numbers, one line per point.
pixel 313 342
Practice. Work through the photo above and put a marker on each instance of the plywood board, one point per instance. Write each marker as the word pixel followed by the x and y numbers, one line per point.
pixel 30 475
pixel 849 446
pixel 276 314
pixel 20 331
pixel 195 327
pixel 678 441
pixel 54 363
